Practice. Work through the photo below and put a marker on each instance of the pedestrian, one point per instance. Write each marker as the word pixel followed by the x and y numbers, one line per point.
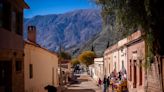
pixel 119 75
pixel 99 82
pixel 104 84
pixel 108 83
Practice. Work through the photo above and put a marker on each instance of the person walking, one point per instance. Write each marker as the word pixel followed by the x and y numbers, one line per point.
pixel 108 83
pixel 104 84
pixel 99 82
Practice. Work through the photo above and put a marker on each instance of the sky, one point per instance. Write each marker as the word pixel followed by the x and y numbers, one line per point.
pixel 44 7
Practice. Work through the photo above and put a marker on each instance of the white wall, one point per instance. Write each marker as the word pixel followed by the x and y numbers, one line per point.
pixel 98 65
pixel 115 60
pixel 123 57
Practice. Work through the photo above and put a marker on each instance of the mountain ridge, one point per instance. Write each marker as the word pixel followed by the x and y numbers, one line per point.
pixel 70 30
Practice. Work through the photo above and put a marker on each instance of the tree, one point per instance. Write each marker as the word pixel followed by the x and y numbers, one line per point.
pixel 75 61
pixel 146 14
pixel 87 57
pixel 64 55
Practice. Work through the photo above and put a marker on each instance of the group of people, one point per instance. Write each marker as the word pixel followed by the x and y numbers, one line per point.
pixel 106 83
pixel 116 81
pixel 78 69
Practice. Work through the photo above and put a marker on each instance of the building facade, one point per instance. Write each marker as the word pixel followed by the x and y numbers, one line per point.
pixel 130 54
pixel 136 59
pixel 109 65
pixel 40 65
pixel 122 55
pixel 98 65
pixel 11 45
pixel 116 60
pixel 65 72
pixel 91 70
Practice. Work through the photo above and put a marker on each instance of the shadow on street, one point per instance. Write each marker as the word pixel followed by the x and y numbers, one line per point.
pixel 80 90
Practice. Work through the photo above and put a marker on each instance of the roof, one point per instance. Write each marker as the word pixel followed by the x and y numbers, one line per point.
pixel 134 37
pixel 37 45
pixel 23 4
pixel 65 61
pixel 98 59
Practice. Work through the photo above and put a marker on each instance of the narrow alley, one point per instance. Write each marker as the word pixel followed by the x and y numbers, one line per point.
pixel 85 84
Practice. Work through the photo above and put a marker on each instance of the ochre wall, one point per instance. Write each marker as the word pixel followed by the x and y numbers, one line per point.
pixel 43 61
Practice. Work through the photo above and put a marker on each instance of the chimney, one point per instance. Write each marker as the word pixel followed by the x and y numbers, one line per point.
pixel 32 34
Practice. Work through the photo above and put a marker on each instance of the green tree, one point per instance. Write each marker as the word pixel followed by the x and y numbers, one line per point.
pixel 87 57
pixel 144 14
pixel 64 55
pixel 75 61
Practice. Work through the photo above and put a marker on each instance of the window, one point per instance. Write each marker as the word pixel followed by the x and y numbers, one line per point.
pixel 109 68
pixel 7 16
pixel 1 12
pixel 115 65
pixel 53 75
pixel 130 70
pixel 19 26
pixel 134 74
pixel 122 64
pixel 140 83
pixel 18 65
pixel 31 71
pixel 13 21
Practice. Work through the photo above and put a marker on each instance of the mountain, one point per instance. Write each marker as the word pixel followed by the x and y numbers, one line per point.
pixel 70 30
pixel 106 38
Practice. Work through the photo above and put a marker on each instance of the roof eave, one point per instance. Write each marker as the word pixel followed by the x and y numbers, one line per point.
pixel 26 6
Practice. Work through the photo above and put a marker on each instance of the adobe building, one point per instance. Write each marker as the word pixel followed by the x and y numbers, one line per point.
pixel 141 79
pixel 65 66
pixel 11 45
pixel 129 53
pixel 136 59
pixel 40 65
pixel 108 60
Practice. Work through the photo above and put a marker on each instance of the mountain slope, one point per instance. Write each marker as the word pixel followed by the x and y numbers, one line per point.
pixel 70 30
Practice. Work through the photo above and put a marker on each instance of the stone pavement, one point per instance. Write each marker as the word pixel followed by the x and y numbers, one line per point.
pixel 85 84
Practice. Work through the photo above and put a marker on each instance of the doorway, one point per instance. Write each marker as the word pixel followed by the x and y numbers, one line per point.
pixel 5 76
pixel 134 74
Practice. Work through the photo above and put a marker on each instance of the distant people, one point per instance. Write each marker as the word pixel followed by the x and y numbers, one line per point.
pixel 69 78
pixel 77 69
pixel 104 84
pixel 119 75
pixel 99 82
pixel 50 88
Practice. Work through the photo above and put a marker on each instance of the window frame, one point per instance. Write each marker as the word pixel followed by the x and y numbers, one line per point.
pixel 18 66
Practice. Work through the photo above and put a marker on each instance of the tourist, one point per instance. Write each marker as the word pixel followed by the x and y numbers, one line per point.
pixel 108 83
pixel 99 82
pixel 104 84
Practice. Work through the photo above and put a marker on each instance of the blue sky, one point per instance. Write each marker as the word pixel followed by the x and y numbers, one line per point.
pixel 44 7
